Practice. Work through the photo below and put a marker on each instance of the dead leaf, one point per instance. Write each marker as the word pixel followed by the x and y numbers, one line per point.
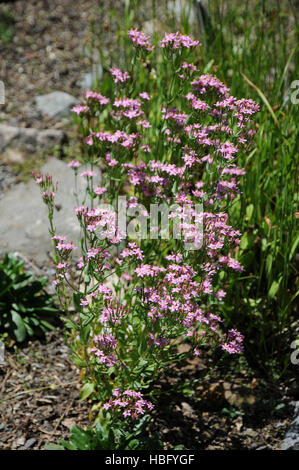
pixel 69 423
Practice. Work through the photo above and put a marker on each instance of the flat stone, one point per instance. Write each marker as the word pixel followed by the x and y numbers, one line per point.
pixel 28 140
pixel 55 104
pixel 24 219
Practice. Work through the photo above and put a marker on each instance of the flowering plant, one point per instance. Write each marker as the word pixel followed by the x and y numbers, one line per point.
pixel 152 272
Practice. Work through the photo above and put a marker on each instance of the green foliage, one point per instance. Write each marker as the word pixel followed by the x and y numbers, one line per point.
pixel 231 412
pixel 6 27
pixel 257 40
pixel 25 308
pixel 106 437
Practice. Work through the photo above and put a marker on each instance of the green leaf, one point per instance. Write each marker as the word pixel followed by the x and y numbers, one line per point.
pixel 76 299
pixel 84 334
pixel 83 440
pixel 86 390
pixel 269 262
pixel 273 289
pixel 71 324
pixel 78 362
pixel 293 249
pixel 279 406
pixel 244 242
pixel 249 211
pixel 20 331
pixel 47 325
pixel 54 447
pixel 132 445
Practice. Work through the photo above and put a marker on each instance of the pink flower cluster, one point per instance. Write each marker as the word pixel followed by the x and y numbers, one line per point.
pixel 74 164
pixel 133 250
pixel 127 107
pixel 177 40
pixel 140 40
pixel 104 349
pixel 190 158
pixel 233 342
pixel 80 109
pixel 172 299
pixel 129 403
pixel 65 248
pixel 113 312
pixel 97 97
pixel 119 137
pixel 100 221
pixel 118 75
pixel 47 188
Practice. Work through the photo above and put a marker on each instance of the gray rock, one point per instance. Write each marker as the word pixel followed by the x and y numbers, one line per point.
pixel 88 80
pixel 49 138
pixel 23 216
pixel 291 439
pixel 28 140
pixel 2 93
pixel 55 104
pixel 197 12
pixel 8 134
pixel 250 432
pixel 187 409
pixel 180 7
pixel 151 26
pixel 29 443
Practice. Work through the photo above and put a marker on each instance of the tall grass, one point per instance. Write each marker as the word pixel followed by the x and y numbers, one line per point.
pixel 252 46
pixel 255 49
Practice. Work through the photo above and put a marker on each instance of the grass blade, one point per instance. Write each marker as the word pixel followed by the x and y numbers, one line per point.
pixel 261 94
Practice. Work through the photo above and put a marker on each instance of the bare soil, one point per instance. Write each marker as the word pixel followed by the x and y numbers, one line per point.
pixel 200 406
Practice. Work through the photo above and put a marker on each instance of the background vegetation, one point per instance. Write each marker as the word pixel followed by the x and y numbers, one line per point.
pixel 252 47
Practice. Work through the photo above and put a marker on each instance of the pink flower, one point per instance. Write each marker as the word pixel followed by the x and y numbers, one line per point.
pixel 88 173
pixel 144 96
pixel 119 76
pixel 74 164
pixel 177 40
pixel 129 403
pixel 187 66
pixel 80 109
pixel 140 39
pixel 99 191
pixel 97 96
pixel 144 124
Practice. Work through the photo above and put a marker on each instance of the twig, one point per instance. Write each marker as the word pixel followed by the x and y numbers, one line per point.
pixel 4 381
pixel 52 387
pixel 63 415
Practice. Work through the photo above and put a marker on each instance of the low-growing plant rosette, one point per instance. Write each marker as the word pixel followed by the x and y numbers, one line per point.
pixel 168 167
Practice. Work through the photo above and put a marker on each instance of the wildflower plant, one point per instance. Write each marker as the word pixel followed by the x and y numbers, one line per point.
pixel 156 247
pixel 26 309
